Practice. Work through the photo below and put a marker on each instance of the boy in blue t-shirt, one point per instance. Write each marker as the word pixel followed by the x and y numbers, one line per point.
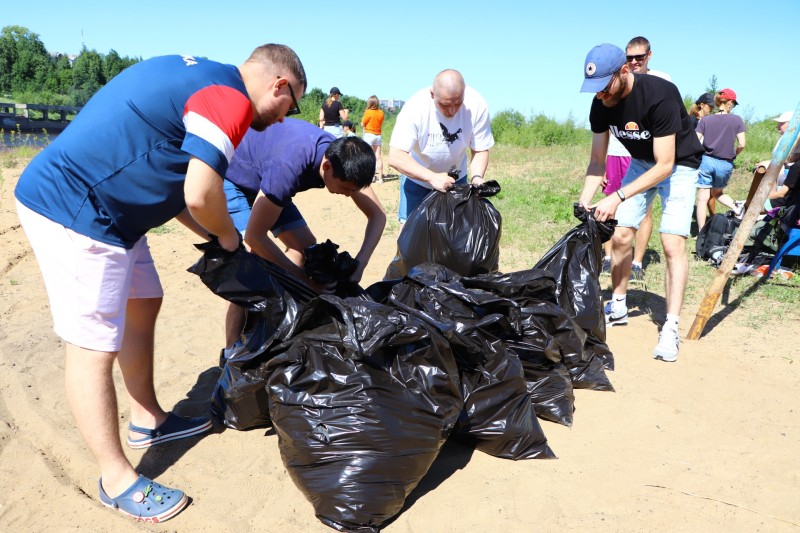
pixel 266 172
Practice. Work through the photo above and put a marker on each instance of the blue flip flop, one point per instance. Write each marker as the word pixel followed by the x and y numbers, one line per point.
pixel 173 428
pixel 146 501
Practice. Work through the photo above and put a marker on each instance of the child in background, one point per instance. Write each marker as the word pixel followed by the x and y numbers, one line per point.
pixel 349 129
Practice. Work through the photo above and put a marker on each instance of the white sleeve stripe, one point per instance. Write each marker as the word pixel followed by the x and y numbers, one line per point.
pixel 205 129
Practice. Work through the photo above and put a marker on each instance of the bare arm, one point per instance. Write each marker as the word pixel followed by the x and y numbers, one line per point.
pixel 369 204
pixel 778 192
pixel 741 142
pixel 402 161
pixel 207 205
pixel 321 118
pixel 185 218
pixel 596 170
pixel 664 155
pixel 263 216
pixel 478 166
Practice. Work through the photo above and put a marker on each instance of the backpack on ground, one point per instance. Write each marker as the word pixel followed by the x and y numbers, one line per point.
pixel 715 237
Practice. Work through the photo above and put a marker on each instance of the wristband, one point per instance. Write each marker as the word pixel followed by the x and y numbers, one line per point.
pixel 621 195
pixel 475 176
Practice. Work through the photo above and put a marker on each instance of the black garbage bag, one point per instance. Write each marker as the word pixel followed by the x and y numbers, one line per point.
pixel 548 342
pixel 273 299
pixel 362 399
pixel 459 229
pixel 325 265
pixel 248 280
pixel 499 415
pixel 575 262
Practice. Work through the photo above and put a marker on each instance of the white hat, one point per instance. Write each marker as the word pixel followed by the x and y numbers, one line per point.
pixel 785 117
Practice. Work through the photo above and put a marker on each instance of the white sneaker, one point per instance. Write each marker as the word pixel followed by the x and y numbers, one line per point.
pixel 615 316
pixel 667 347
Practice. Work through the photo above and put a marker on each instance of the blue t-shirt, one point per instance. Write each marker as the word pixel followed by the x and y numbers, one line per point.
pixel 119 168
pixel 281 161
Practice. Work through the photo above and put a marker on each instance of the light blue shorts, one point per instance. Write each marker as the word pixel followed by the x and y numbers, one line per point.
pixel 714 173
pixel 677 199
pixel 240 204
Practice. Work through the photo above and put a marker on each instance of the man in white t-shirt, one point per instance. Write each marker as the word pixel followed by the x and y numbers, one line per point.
pixel 431 136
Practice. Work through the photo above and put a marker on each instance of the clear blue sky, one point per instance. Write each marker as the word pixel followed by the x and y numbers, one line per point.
pixel 522 55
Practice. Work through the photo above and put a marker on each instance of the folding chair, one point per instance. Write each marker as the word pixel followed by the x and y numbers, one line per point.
pixel 790 247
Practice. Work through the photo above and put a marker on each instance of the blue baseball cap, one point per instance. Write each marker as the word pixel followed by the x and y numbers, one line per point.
pixel 602 62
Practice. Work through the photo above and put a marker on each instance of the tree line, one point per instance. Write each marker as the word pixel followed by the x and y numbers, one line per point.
pixel 30 74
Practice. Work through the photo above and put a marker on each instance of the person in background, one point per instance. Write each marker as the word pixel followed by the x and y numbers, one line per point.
pixel 638 54
pixel 794 153
pixel 372 124
pixel 431 136
pixel 333 113
pixel 268 169
pixel 702 107
pixel 723 137
pixel 646 113
pixel 348 129
pixel 149 146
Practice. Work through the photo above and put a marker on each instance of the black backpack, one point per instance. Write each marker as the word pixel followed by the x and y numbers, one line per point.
pixel 716 235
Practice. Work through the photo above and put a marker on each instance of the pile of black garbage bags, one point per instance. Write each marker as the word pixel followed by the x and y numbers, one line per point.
pixel 363 390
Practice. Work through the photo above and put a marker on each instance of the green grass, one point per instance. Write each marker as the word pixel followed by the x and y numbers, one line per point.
pixel 539 187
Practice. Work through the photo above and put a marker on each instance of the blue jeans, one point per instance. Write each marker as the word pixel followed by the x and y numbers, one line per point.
pixel 677 199
pixel 240 203
pixel 714 173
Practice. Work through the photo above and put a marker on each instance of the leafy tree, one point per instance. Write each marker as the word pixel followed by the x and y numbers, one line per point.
pixel 24 62
pixel 712 85
pixel 310 104
pixel 88 76
pixel 113 64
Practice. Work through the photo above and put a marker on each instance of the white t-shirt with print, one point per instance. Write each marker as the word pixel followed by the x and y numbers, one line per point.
pixel 439 143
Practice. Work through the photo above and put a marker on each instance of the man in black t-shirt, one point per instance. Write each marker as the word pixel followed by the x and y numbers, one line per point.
pixel 646 114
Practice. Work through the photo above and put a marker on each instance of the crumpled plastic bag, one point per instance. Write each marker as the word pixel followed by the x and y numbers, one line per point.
pixel 273 299
pixel 362 399
pixel 575 262
pixel 499 415
pixel 324 265
pixel 459 229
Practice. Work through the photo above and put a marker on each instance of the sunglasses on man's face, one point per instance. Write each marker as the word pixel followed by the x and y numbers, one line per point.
pixel 296 109
pixel 638 57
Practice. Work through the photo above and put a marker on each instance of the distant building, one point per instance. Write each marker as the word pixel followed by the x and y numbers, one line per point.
pixel 392 105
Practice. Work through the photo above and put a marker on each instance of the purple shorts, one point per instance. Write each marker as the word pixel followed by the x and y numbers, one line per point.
pixel 616 167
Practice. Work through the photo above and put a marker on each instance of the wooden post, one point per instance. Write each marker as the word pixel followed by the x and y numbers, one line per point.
pixel 753 210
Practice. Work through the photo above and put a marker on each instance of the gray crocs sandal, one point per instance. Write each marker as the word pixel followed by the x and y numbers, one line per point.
pixel 173 428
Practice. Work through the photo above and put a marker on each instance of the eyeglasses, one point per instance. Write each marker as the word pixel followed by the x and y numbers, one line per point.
pixel 607 88
pixel 637 57
pixel 296 109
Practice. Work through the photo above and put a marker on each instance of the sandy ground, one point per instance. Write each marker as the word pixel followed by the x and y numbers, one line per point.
pixel 709 443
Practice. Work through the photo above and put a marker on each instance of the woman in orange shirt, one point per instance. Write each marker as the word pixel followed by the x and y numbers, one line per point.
pixel 372 122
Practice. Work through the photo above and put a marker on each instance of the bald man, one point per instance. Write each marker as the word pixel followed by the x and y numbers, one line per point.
pixel 430 140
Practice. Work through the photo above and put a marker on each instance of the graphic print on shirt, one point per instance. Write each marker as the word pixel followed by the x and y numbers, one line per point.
pixel 450 138
pixel 631 131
